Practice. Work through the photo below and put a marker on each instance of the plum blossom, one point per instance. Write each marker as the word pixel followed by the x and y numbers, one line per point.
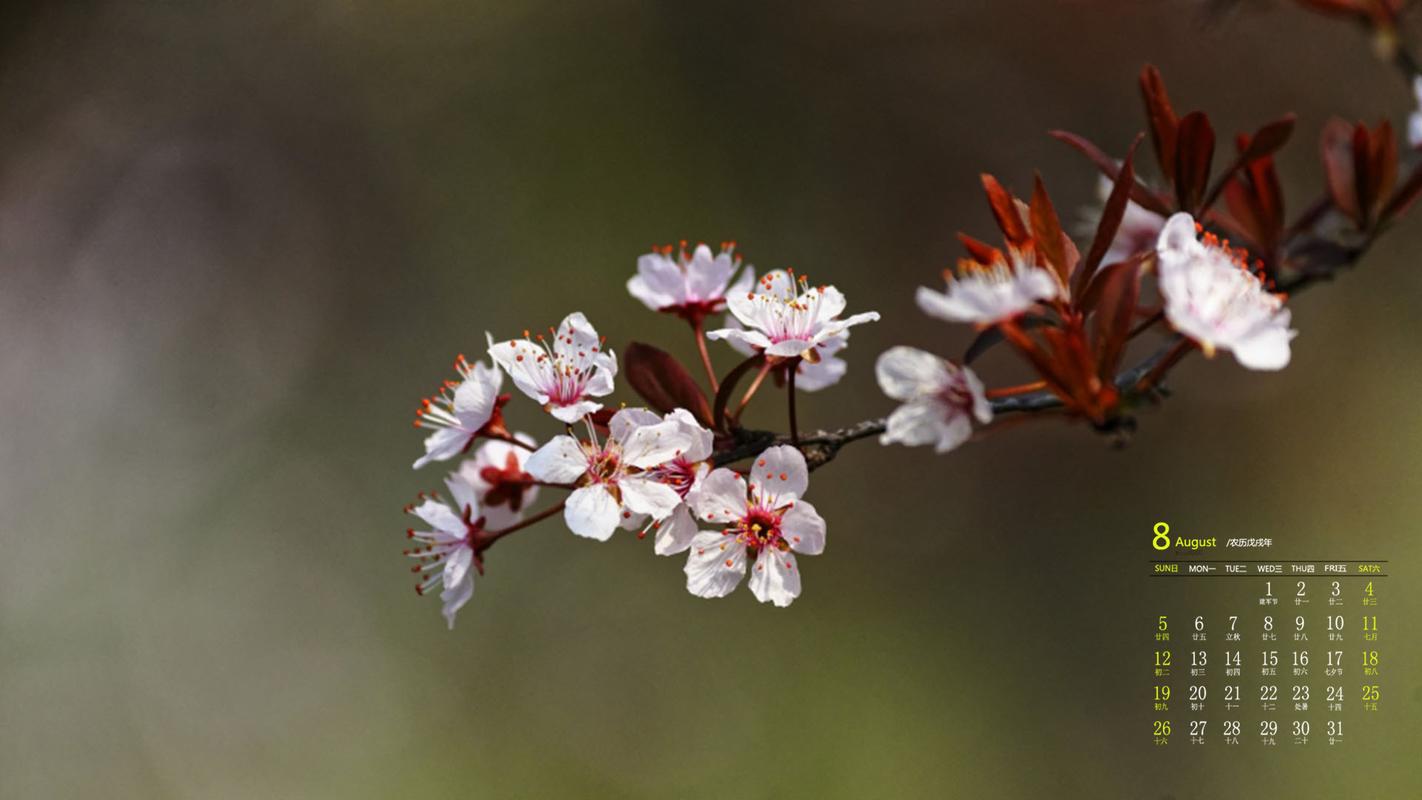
pixel 445 555
pixel 786 318
pixel 689 286
pixel 460 411
pixel 561 377
pixel 1212 297
pixel 810 376
pixel 616 479
pixel 940 399
pixel 683 474
pixel 986 294
pixel 765 519
pixel 500 480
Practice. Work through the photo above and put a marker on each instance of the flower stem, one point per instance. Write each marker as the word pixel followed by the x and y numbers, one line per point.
pixel 751 390
pixel 504 437
pixel 790 371
pixel 700 332
pixel 493 536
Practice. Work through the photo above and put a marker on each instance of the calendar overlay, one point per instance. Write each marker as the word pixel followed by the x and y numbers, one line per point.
pixel 1263 652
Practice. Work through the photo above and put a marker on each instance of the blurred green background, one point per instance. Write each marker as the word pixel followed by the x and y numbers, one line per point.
pixel 239 241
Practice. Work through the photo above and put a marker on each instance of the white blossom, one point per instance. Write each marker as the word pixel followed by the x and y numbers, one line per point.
pixel 458 411
pixel 764 519
pixel 940 399
pixel 561 377
pixel 615 479
pixel 445 554
pixel 693 285
pixel 986 294
pixel 787 318
pixel 1212 297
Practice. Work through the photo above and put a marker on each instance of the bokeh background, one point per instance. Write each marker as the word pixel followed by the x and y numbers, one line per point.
pixel 239 241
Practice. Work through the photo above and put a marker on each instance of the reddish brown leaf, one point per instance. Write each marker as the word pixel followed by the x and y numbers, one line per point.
pixel 1047 232
pixel 979 251
pixel 663 382
pixel 993 336
pixel 1405 196
pixel 1039 359
pixel 1336 149
pixel 1194 150
pixel 1112 321
pixel 1140 195
pixel 1161 117
pixel 1111 215
pixel 1004 210
pixel 1264 143
pixel 1091 295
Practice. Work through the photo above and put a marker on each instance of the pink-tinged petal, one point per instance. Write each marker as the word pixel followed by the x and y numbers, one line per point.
pixel 628 420
pixel 442 444
pixel 456 567
pixel 573 411
pixel 601 383
pixel 803 529
pixel 745 308
pixel 675 535
pixel 828 370
pixel 722 498
pixel 831 301
pixel 982 409
pixel 749 340
pixel 463 493
pixel 526 363
pixel 775 578
pixel 737 343
pixel 637 287
pixel 562 460
pixel 645 496
pixel 455 597
pixel 474 399
pixel 575 335
pixel 707 275
pixel 953 431
pixel 789 347
pixel 715 563
pixel 439 516
pixel 905 373
pixel 745 282
pixel 657 444
pixel 781 471
pixel 592 512
pixel 702 440
pixel 915 423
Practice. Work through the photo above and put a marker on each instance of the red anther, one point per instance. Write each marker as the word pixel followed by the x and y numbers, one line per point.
pixel 410 533
pixel 419 590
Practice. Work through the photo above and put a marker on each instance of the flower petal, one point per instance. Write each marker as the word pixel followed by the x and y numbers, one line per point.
pixel 722 498
pixel 454 597
pixel 906 373
pixel 675 535
pixel 643 495
pixel 562 460
pixel 775 578
pixel 781 471
pixel 592 512
pixel 803 529
pixel 439 516
pixel 715 564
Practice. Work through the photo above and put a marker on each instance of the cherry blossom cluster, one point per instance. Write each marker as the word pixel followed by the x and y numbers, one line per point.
pixel 648 470
pixel 1202 259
